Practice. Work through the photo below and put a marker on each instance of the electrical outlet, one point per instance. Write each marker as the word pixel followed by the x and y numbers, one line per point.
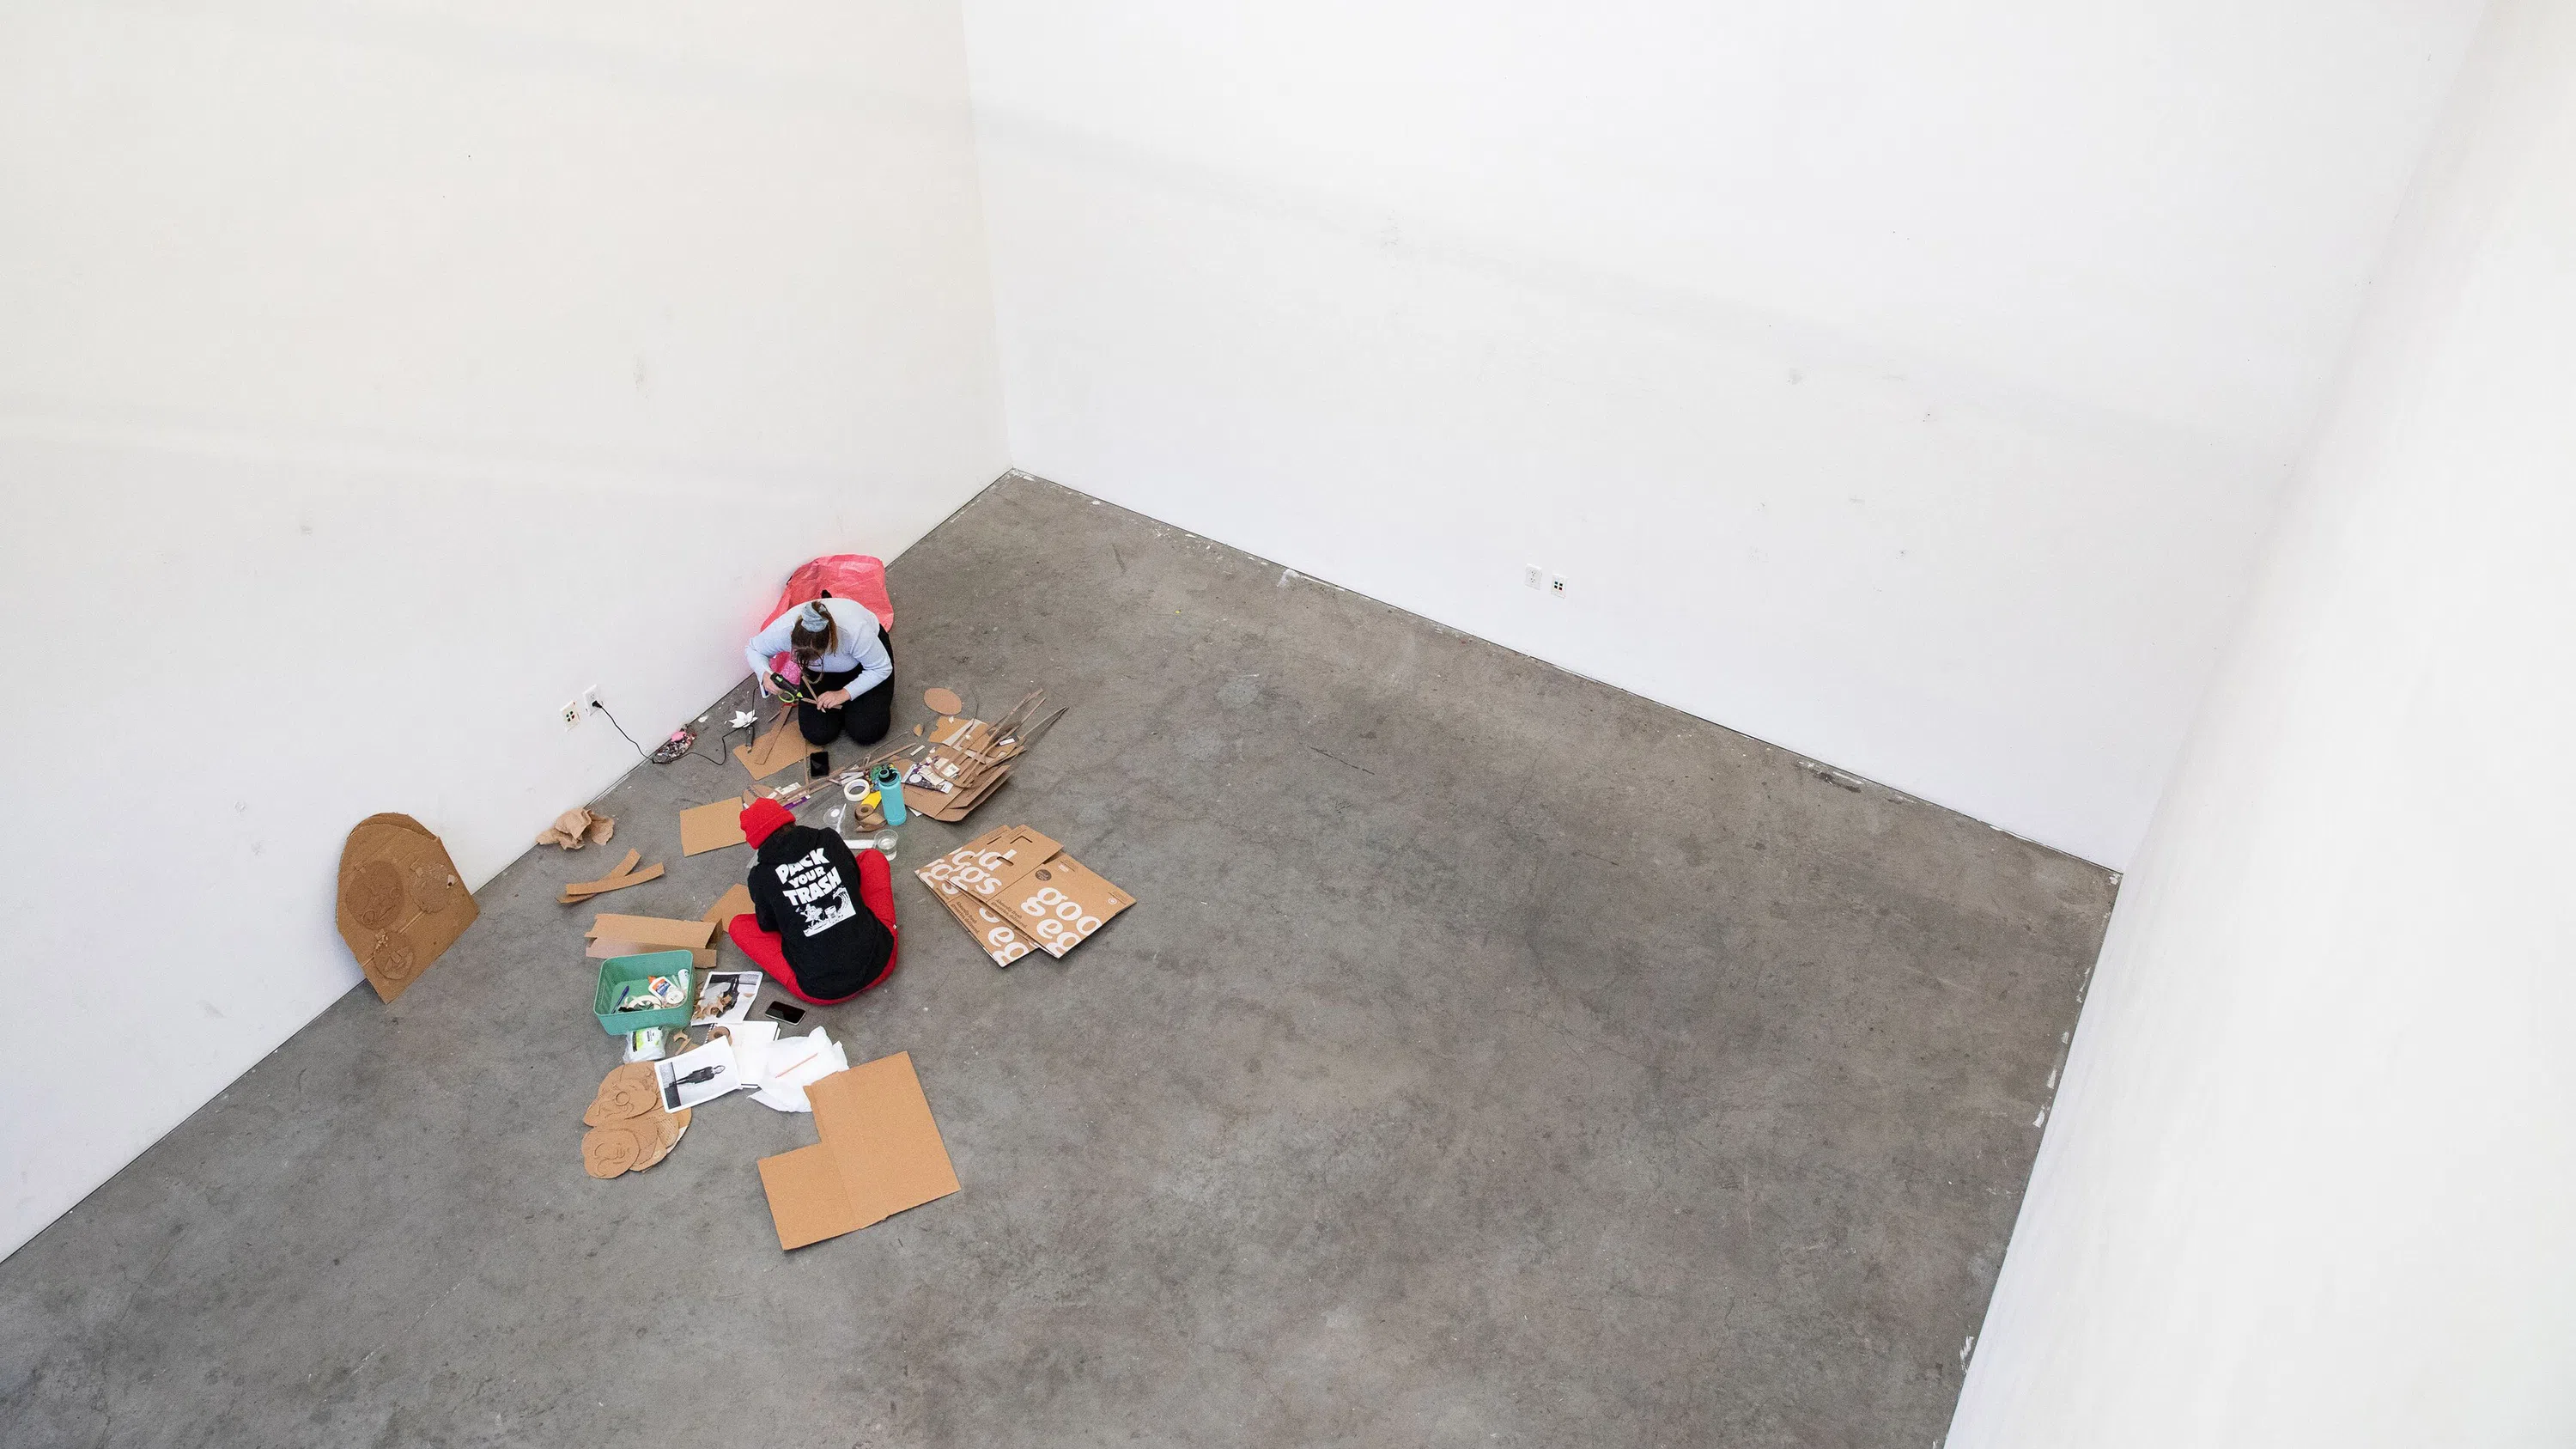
pixel 1556 584
pixel 1534 576
pixel 589 700
pixel 570 713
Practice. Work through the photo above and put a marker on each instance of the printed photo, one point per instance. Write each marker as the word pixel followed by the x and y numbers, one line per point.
pixel 726 996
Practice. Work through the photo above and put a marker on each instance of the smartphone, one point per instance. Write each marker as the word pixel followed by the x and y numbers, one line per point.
pixel 784 1012
pixel 818 764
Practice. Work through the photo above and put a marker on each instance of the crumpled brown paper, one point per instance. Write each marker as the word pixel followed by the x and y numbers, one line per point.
pixel 573 827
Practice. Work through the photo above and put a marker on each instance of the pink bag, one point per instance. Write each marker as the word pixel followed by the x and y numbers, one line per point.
pixel 841 575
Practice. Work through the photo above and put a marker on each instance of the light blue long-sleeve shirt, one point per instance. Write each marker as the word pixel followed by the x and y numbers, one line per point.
pixel 858 647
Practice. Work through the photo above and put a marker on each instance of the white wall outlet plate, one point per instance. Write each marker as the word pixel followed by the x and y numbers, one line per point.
pixel 570 713
pixel 1534 576
pixel 1556 584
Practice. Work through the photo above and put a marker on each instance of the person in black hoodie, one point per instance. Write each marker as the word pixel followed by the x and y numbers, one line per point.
pixel 822 922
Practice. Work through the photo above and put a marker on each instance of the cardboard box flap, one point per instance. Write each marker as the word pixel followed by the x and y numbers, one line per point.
pixel 653 931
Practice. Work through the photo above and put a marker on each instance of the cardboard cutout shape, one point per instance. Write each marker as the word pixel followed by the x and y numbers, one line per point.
pixel 401 902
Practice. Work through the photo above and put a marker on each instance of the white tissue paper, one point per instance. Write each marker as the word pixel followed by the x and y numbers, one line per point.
pixel 779 1069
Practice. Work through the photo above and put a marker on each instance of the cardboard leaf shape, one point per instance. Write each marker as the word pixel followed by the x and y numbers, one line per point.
pixel 402 903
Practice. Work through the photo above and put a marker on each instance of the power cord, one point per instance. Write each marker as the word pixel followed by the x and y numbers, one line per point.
pixel 690 754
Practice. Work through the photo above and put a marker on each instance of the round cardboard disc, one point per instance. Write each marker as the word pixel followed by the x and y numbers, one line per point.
pixel 608 1151
pixel 376 894
pixel 943 700
pixel 666 1128
pixel 629 1091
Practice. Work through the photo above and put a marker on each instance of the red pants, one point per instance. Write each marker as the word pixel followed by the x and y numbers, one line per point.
pixel 768 950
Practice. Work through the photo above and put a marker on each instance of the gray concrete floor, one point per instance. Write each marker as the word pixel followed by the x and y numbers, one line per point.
pixel 1431 1095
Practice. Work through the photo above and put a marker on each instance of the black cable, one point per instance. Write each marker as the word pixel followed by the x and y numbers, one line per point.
pixel 691 753
pixel 621 731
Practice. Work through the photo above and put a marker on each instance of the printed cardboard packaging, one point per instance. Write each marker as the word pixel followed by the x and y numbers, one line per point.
pixel 1059 904
pixel 982 866
pixel 401 902
pixel 1014 890
pixel 880 1153
pixel 990 931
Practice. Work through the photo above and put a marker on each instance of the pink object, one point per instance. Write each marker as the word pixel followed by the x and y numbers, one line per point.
pixel 843 576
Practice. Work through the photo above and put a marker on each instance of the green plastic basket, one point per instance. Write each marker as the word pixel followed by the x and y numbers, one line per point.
pixel 619 971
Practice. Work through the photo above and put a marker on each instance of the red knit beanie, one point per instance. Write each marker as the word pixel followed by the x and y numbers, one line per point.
pixel 762 819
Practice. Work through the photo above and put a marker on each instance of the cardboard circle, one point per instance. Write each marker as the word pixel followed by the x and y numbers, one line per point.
pixel 945 701
pixel 629 1091
pixel 608 1151
pixel 376 894
pixel 666 1129
pixel 431 888
pixel 392 956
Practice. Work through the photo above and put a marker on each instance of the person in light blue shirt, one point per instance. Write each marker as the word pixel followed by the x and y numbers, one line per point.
pixel 844 664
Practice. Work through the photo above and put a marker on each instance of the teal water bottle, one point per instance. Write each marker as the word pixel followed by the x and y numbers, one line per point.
pixel 890 794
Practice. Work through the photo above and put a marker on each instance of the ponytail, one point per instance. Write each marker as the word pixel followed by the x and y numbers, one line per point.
pixel 815 635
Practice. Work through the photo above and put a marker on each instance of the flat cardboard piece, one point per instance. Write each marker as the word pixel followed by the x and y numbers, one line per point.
pixel 584 890
pixel 805 1199
pixel 1059 903
pixel 775 751
pixel 655 933
pixel 943 701
pixel 992 934
pixel 983 866
pixel 735 902
pixel 712 826
pixel 701 957
pixel 401 902
pixel 616 880
pixel 881 1153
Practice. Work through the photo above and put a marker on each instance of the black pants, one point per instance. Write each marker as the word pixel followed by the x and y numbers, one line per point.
pixel 866 717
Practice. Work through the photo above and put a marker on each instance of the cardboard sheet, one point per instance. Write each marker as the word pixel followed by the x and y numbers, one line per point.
pixel 401 901
pixel 712 826
pixel 654 933
pixel 735 902
pixel 775 751
pixel 983 866
pixel 1059 903
pixel 881 1153
pixel 703 958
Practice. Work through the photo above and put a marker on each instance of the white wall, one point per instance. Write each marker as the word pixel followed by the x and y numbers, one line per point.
pixel 2311 1176
pixel 373 377
pixel 1905 383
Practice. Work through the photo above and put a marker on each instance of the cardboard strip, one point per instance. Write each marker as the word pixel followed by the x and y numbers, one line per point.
pixel 619 879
